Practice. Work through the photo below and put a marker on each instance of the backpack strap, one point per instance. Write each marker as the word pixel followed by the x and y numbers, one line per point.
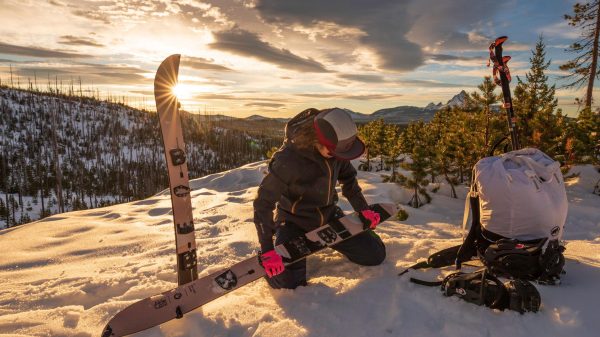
pixel 465 251
pixel 473 193
pixel 468 248
pixel 443 258
pixel 426 283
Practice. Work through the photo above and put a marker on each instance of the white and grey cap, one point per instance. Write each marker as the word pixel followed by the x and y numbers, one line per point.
pixel 337 131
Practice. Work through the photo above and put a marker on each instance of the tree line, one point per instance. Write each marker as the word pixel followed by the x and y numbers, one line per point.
pixel 62 152
pixel 447 147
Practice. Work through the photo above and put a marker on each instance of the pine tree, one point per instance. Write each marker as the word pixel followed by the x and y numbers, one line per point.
pixel 365 134
pixel 3 210
pixel 535 105
pixel 465 135
pixel 373 135
pixel 586 137
pixel 449 148
pixel 393 151
pixel 584 67
pixel 564 141
pixel 419 163
pixel 482 102
pixel 446 158
pixel 436 130
pixel 379 143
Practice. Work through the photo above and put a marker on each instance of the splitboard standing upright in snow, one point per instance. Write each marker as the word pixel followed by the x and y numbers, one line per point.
pixel 171 304
pixel 167 106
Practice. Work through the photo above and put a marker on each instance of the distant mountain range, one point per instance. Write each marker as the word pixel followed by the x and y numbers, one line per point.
pixel 406 113
pixel 398 115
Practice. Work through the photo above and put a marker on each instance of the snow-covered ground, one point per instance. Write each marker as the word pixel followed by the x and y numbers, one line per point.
pixel 68 274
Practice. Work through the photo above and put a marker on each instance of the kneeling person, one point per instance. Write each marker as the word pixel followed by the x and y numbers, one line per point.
pixel 300 189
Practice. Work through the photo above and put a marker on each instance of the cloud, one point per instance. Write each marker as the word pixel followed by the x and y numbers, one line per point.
pixel 56 3
pixel 452 25
pixel 446 58
pixel 359 97
pixel 238 97
pixel 200 63
pixel 12 49
pixel 245 43
pixel 93 15
pixel 458 60
pixel 265 105
pixel 338 56
pixel 79 41
pixel 560 29
pixel 371 97
pixel 363 78
pixel 215 97
pixel 429 84
pixel 398 32
pixel 384 23
pixel 119 12
pixel 89 73
pixel 142 92
pixel 313 95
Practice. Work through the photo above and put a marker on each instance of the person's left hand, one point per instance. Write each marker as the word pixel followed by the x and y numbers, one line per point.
pixel 371 216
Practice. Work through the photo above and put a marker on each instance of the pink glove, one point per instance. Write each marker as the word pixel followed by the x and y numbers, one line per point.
pixel 371 216
pixel 272 263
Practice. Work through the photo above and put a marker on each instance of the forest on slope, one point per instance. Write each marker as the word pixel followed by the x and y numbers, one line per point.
pixel 60 151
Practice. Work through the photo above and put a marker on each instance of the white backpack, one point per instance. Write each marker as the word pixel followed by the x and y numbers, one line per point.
pixel 521 195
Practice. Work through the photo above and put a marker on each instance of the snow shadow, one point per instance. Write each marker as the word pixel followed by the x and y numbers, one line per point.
pixel 196 324
pixel 159 211
pixel 386 305
pixel 146 202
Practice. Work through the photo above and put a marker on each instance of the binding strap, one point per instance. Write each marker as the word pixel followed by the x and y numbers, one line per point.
pixel 483 288
pixel 443 258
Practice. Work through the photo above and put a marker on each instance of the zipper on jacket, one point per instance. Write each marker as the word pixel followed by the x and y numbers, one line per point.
pixel 322 218
pixel 329 186
pixel 295 204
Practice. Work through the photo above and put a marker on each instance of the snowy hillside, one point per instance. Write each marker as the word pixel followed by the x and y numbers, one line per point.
pixel 108 152
pixel 68 274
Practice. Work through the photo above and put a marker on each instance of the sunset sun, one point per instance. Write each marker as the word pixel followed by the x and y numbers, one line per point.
pixel 182 91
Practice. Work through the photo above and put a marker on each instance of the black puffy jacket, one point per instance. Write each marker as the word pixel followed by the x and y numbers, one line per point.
pixel 300 188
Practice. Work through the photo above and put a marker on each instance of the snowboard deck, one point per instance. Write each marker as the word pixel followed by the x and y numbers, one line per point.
pixel 167 107
pixel 158 309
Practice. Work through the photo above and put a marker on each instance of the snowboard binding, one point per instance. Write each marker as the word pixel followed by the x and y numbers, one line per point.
pixel 483 288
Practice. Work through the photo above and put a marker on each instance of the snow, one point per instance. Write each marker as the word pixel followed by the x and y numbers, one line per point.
pixel 68 274
pixel 458 100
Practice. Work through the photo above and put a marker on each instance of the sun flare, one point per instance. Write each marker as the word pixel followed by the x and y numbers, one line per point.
pixel 182 91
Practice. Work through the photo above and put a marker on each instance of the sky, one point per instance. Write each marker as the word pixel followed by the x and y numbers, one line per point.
pixel 278 57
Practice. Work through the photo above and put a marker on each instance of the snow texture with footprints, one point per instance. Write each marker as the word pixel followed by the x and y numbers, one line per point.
pixel 67 275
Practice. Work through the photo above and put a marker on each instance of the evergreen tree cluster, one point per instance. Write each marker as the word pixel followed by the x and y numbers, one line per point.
pixel 450 144
pixel 60 153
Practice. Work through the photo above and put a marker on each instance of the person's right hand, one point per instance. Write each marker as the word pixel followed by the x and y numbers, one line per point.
pixel 272 262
